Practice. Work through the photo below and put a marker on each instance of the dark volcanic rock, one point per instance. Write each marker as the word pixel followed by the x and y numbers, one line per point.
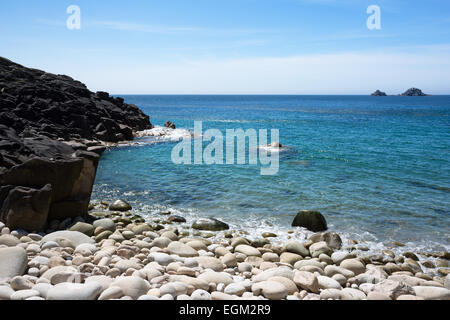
pixel 414 92
pixel 311 220
pixel 33 101
pixel 52 133
pixel 379 93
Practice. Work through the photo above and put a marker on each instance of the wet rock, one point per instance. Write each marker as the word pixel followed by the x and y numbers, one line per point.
pixel 311 220
pixel 209 224
pixel 120 205
pixel 83 227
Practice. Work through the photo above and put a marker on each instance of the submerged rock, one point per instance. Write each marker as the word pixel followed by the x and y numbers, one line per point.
pixel 210 224
pixel 170 125
pixel 311 220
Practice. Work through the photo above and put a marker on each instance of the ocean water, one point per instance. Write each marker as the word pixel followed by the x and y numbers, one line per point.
pixel 378 168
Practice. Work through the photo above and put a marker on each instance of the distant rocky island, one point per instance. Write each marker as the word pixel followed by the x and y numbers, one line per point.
pixel 412 92
pixel 379 93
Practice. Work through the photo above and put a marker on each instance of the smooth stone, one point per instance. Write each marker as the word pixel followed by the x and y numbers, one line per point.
pixel 275 272
pixel 354 265
pixel 106 224
pixel 101 279
pixel 132 286
pixel 409 297
pixel 210 263
pixel 328 294
pixel 83 227
pixel 197 245
pixel 374 295
pixel 272 290
pixel 161 242
pixel 75 237
pixel 191 281
pixel 42 288
pixel 352 294
pixel 330 271
pixel 74 291
pixel 288 283
pixel 120 205
pixel 340 256
pixel 201 295
pixel 162 258
pixel 296 247
pixel 432 293
pixel 393 289
pixel 9 240
pixel 328 283
pixel 13 262
pixel 447 282
pixel 215 277
pixel 181 249
pixel 316 249
pixel 5 292
pixel 247 250
pixel 24 294
pixel 150 297
pixel 209 224
pixel 123 265
pixel 229 260
pixel 220 296
pixel 20 283
pixel 111 293
pixel 307 281
pixel 290 258
pixel 235 289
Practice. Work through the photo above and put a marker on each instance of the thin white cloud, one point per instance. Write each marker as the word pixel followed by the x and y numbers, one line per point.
pixel 344 73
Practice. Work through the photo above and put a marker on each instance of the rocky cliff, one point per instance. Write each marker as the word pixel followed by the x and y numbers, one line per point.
pixel 52 133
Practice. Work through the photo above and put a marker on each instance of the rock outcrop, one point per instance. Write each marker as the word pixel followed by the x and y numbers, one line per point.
pixel 52 133
pixel 414 92
pixel 379 93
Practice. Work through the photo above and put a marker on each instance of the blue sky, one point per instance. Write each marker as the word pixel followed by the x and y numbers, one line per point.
pixel 245 46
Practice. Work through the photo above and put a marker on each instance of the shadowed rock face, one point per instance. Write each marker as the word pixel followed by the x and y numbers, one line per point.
pixel 52 130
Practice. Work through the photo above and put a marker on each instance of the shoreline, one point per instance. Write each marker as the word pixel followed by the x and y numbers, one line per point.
pixel 127 258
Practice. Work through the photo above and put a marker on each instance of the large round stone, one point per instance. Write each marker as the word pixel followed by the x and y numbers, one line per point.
pixel 133 287
pixel 84 228
pixel 120 205
pixel 181 249
pixel 75 237
pixel 13 262
pixel 75 291
pixel 210 224
pixel 106 224
pixel 311 220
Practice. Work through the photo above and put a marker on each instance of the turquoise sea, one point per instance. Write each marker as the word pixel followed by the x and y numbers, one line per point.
pixel 378 168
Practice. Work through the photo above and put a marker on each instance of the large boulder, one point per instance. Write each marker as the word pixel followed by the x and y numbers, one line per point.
pixel 52 132
pixel 26 208
pixel 311 220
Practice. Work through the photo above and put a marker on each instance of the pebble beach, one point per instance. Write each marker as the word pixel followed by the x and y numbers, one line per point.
pixel 115 254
